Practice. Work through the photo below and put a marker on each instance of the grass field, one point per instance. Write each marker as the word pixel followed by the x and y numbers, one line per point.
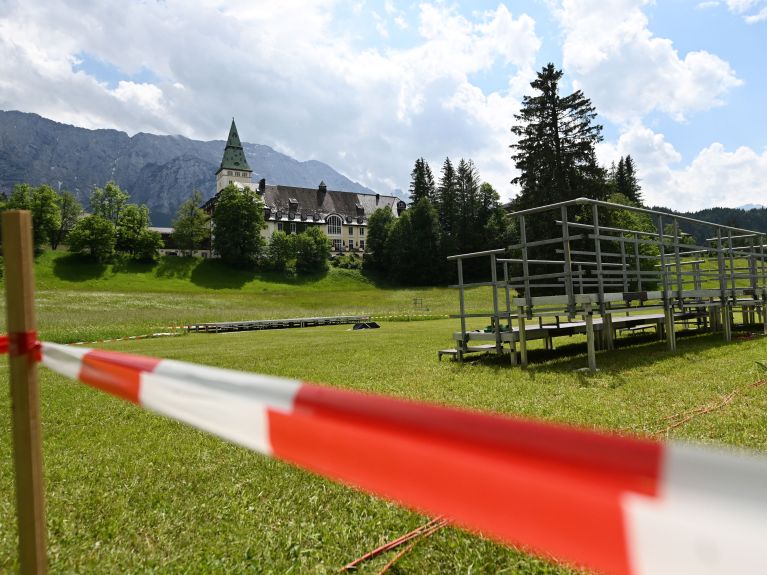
pixel 84 301
pixel 132 492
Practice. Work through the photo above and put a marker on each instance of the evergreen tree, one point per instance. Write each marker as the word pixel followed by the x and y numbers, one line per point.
pixel 555 148
pixel 237 223
pixel 469 229
pixel 447 200
pixel 414 247
pixel 633 189
pixel 623 180
pixel 620 184
pixel 421 182
pixel 192 225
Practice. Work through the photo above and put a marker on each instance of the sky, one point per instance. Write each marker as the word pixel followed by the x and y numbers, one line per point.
pixel 370 86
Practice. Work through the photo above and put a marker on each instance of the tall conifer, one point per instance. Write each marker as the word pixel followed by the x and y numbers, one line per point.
pixel 555 148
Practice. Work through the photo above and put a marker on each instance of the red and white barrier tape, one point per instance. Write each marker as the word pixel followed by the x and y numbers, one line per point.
pixel 616 504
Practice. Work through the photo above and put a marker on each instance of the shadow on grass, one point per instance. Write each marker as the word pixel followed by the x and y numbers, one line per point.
pixel 176 267
pixel 126 265
pixel 631 351
pixel 77 268
pixel 214 274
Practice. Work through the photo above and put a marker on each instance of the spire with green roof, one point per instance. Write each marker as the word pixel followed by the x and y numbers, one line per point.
pixel 234 156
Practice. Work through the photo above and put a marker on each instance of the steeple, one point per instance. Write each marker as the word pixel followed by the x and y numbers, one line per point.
pixel 234 156
pixel 234 168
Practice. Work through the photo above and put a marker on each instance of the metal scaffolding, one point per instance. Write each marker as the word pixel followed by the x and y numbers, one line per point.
pixel 584 272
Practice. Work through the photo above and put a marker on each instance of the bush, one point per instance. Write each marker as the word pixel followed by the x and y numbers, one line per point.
pixel 348 262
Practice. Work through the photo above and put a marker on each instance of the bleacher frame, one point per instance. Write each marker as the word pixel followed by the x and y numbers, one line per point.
pixel 607 282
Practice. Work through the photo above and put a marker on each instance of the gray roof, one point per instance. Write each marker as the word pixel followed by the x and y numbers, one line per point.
pixel 313 203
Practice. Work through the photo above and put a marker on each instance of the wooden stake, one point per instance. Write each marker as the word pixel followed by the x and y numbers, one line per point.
pixel 25 405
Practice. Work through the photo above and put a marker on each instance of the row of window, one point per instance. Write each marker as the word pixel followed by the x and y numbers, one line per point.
pixel 238 174
pixel 339 245
pixel 333 229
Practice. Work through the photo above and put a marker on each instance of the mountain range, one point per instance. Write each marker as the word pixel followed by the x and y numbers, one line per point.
pixel 159 171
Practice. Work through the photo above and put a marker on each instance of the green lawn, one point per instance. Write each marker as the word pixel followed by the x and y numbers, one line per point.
pixel 83 301
pixel 131 492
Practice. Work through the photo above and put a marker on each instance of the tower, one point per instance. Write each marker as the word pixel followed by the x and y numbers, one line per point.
pixel 234 167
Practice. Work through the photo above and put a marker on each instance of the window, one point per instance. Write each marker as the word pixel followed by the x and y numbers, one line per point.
pixel 351 245
pixel 229 173
pixel 334 225
pixel 279 226
pixel 338 246
pixel 351 231
pixel 237 174
pixel 293 228
pixel 362 231
pixel 362 244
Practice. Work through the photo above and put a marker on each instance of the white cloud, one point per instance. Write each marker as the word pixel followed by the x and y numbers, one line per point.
pixel 744 8
pixel 715 177
pixel 145 96
pixel 289 76
pixel 741 6
pixel 760 16
pixel 628 72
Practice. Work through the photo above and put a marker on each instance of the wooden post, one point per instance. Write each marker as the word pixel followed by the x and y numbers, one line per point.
pixel 27 451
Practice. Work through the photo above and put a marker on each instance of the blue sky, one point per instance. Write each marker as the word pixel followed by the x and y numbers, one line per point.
pixel 369 86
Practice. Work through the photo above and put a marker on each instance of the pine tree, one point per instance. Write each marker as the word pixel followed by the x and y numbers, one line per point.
pixel 555 148
pixel 633 189
pixel 421 182
pixel 447 202
pixel 469 229
pixel 413 246
pixel 624 180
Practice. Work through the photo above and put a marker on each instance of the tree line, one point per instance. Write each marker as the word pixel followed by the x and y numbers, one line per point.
pixel 113 225
pixel 456 214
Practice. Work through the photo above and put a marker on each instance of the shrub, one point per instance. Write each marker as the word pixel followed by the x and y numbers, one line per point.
pixel 348 262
